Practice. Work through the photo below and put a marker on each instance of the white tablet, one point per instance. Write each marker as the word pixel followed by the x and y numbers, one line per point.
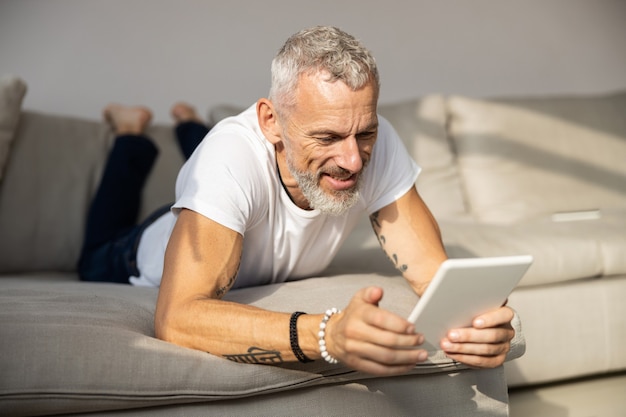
pixel 461 290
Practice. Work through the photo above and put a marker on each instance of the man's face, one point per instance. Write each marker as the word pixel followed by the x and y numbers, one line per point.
pixel 328 140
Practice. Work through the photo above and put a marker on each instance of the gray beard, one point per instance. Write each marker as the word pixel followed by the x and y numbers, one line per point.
pixel 335 204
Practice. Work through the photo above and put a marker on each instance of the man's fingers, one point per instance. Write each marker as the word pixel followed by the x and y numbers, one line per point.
pixel 486 349
pixel 373 340
pixel 494 318
pixel 384 336
pixel 372 295
pixel 369 313
pixel 481 348
pixel 493 335
pixel 360 352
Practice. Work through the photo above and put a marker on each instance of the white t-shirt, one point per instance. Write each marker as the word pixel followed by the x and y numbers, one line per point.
pixel 232 179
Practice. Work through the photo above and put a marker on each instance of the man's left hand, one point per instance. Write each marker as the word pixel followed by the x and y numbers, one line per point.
pixel 485 344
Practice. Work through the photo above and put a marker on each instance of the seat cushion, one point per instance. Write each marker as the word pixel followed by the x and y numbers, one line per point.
pixel 520 158
pixel 572 329
pixel 562 250
pixel 90 347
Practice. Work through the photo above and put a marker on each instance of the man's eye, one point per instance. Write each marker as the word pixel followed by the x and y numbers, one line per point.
pixel 327 139
pixel 366 135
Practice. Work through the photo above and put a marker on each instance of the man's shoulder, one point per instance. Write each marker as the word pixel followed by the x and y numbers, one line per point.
pixel 234 150
pixel 244 120
pixel 240 134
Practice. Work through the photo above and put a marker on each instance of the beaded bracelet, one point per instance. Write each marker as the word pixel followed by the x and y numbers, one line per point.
pixel 322 334
pixel 293 338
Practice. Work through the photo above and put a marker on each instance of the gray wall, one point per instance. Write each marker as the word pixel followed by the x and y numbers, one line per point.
pixel 78 55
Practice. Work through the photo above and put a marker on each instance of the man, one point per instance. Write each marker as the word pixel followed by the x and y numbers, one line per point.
pixel 271 194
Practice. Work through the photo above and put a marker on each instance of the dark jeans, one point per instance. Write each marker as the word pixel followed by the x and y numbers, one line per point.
pixel 112 234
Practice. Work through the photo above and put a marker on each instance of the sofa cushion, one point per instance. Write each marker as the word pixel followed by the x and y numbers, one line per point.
pixel 69 342
pixel 421 123
pixel 572 330
pixel 56 164
pixel 562 251
pixel 12 91
pixel 520 158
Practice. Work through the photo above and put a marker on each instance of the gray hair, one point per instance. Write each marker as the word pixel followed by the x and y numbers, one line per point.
pixel 325 49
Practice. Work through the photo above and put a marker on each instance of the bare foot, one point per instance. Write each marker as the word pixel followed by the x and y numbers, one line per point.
pixel 127 120
pixel 183 112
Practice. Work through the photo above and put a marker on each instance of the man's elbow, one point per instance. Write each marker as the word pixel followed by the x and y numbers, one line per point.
pixel 164 325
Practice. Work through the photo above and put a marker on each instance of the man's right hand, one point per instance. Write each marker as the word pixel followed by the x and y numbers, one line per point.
pixel 370 339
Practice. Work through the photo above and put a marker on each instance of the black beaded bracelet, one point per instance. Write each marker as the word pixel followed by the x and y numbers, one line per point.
pixel 293 338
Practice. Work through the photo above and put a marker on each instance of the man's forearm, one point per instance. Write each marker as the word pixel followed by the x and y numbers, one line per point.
pixel 237 332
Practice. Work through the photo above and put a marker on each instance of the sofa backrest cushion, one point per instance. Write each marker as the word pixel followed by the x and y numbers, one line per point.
pixel 421 123
pixel 54 165
pixel 12 91
pixel 523 158
pixel 52 174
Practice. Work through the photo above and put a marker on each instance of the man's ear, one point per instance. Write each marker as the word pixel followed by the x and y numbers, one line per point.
pixel 268 121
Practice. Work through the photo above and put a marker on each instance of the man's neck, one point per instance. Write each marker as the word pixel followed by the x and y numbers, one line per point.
pixel 289 184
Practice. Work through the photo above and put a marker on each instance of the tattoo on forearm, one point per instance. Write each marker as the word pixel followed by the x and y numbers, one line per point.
pixel 383 241
pixel 394 259
pixel 258 356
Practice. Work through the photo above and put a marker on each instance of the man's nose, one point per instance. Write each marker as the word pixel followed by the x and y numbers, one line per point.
pixel 349 157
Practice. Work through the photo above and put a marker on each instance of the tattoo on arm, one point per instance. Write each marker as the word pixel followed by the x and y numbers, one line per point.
pixel 220 292
pixel 383 241
pixel 257 355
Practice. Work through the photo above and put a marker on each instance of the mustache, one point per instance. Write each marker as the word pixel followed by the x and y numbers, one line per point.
pixel 339 172
pixel 335 171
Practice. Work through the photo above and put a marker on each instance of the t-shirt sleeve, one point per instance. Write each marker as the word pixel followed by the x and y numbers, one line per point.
pixel 391 172
pixel 223 180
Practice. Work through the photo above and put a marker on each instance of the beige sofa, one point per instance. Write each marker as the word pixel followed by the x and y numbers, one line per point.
pixel 72 347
